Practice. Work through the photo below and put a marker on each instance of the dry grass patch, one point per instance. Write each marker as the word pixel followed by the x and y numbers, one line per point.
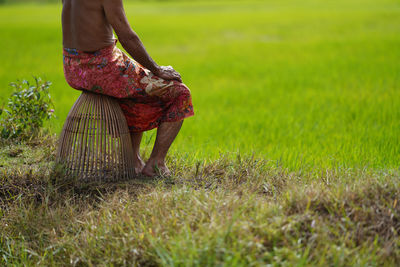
pixel 227 212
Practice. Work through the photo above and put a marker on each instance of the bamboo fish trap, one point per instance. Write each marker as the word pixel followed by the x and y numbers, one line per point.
pixel 95 143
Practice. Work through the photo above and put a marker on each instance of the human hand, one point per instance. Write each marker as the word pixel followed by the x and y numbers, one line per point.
pixel 168 73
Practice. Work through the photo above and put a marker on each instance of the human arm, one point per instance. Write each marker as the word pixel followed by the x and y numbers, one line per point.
pixel 115 14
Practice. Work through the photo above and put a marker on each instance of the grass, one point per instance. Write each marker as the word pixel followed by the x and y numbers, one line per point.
pixel 291 160
pixel 238 212
pixel 307 85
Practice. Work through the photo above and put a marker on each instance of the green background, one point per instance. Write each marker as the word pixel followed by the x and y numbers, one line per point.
pixel 305 84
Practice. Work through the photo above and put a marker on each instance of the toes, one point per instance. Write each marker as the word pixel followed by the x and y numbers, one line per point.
pixel 148 173
pixel 151 170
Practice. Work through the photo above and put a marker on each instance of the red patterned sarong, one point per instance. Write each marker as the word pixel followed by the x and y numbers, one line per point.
pixel 146 100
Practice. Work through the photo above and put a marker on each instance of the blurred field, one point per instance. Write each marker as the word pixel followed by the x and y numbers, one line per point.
pixel 305 84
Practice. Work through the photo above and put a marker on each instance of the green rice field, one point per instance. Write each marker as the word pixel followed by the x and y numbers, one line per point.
pixel 306 85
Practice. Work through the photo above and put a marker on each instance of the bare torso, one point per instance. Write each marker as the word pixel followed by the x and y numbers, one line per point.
pixel 85 26
pixel 88 26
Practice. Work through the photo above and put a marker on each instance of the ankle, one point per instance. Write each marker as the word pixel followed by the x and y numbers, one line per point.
pixel 156 161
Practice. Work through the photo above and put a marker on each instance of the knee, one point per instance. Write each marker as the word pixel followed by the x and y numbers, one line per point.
pixel 183 91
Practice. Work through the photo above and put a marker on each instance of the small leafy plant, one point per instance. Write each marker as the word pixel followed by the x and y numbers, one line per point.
pixel 27 109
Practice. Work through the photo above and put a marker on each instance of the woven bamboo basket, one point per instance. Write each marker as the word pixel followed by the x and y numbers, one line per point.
pixel 95 143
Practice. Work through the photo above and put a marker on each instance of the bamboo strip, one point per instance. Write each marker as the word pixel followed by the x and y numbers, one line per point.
pixel 97 163
pixel 73 122
pixel 80 168
pixel 92 130
pixel 108 138
pixel 113 133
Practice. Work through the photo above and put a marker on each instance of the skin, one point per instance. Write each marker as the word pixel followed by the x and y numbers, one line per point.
pixel 88 26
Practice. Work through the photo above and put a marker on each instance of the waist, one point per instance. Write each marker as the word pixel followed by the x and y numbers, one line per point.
pixel 76 53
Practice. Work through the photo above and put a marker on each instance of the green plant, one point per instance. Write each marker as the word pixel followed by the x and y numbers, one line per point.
pixel 27 109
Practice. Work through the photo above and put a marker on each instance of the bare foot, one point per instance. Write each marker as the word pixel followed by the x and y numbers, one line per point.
pixel 138 165
pixel 153 168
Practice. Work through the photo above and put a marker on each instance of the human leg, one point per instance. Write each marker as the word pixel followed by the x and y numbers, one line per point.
pixel 136 138
pixel 166 134
pixel 156 103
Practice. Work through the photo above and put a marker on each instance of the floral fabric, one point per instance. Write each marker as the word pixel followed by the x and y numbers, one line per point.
pixel 145 99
